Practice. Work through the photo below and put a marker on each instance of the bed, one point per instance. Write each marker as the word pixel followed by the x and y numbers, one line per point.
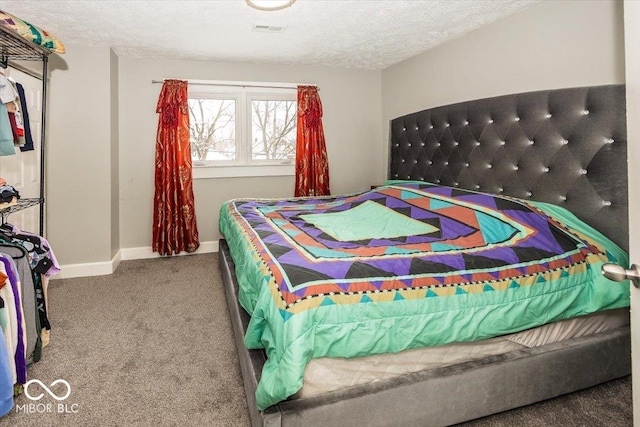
pixel 478 163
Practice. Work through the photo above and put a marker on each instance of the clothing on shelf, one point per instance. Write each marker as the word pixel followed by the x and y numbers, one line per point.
pixel 8 196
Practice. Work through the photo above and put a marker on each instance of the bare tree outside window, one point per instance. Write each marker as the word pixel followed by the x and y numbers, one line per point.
pixel 242 129
pixel 212 129
pixel 273 129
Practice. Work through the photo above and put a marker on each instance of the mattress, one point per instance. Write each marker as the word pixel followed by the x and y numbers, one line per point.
pixel 405 266
pixel 328 374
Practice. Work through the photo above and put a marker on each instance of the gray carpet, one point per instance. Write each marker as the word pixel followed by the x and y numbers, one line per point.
pixel 151 345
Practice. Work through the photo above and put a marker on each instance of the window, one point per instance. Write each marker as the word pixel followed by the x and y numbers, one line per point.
pixel 273 129
pixel 212 128
pixel 245 131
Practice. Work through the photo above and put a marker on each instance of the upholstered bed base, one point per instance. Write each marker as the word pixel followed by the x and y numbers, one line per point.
pixel 442 396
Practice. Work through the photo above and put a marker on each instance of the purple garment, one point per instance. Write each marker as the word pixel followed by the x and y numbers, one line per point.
pixel 21 361
pixel 44 244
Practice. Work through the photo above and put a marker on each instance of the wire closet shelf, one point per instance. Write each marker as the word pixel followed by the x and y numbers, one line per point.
pixel 14 47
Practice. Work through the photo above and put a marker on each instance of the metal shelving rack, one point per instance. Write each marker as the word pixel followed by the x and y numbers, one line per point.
pixel 14 47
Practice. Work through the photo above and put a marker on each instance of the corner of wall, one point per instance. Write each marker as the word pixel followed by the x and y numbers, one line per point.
pixel 115 152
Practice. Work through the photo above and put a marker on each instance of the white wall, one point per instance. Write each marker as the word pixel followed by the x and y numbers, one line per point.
pixel 351 102
pixel 78 202
pixel 550 45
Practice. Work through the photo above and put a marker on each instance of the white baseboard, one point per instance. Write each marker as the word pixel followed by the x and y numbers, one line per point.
pixel 69 271
pixel 146 252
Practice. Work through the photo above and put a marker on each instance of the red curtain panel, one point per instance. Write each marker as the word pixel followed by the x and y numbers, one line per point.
pixel 174 216
pixel 312 166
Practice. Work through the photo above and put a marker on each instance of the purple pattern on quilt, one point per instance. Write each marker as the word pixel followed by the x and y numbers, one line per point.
pixel 461 241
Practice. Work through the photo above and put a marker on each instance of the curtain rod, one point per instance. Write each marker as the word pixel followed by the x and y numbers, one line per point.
pixel 243 85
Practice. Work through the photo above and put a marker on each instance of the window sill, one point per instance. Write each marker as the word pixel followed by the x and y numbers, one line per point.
pixel 206 172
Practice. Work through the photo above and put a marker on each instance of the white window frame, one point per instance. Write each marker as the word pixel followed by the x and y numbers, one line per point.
pixel 243 95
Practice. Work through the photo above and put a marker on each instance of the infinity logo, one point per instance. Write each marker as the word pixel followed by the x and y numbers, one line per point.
pixel 47 389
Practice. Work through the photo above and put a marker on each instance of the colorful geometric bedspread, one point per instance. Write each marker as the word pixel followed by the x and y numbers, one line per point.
pixel 406 265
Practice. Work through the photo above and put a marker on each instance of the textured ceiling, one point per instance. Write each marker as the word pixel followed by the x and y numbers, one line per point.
pixel 367 34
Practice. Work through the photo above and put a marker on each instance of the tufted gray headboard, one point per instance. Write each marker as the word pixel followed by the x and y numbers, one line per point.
pixel 566 147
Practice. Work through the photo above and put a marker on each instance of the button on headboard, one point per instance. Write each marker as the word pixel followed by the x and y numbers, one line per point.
pixel 566 147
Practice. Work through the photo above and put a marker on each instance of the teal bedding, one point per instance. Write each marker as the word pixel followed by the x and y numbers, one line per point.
pixel 407 265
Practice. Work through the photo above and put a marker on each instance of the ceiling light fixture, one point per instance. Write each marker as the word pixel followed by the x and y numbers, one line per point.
pixel 270 5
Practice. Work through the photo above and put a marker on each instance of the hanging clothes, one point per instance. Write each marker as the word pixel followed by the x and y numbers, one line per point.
pixel 28 137
pixel 6 382
pixel 43 265
pixel 8 96
pixel 8 92
pixel 46 262
pixel 17 123
pixel 26 260
pixel 8 321
pixel 6 135
pixel 20 257
pixel 20 355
